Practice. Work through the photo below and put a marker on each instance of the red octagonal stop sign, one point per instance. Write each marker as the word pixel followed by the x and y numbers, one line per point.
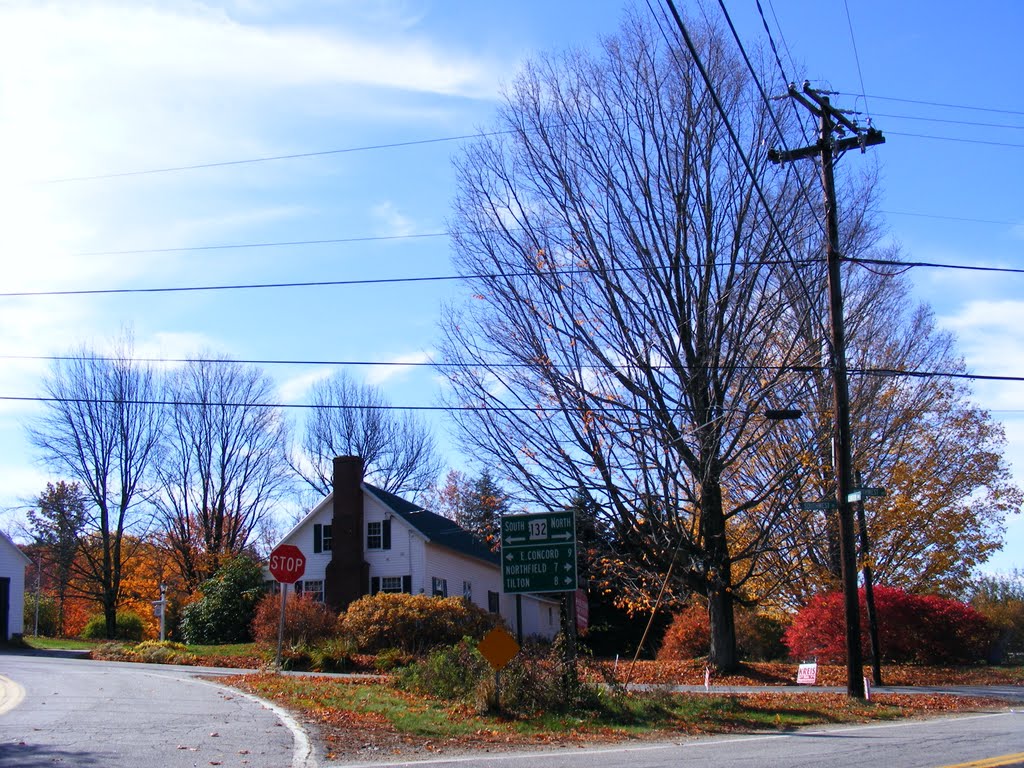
pixel 287 563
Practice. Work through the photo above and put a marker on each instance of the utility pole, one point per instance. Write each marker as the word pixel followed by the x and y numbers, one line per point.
pixel 827 148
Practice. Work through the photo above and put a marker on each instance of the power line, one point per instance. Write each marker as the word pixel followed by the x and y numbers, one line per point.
pixel 267 159
pixel 952 218
pixel 795 368
pixel 933 265
pixel 940 104
pixel 283 243
pixel 957 139
pixel 972 123
pixel 856 57
pixel 413 236
pixel 370 281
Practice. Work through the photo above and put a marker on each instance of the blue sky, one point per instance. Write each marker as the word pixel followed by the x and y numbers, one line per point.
pixel 99 87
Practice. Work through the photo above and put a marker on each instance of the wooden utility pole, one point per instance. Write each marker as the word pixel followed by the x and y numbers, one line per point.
pixel 827 148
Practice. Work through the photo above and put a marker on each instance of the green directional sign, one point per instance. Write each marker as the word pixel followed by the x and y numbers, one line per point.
pixel 538 552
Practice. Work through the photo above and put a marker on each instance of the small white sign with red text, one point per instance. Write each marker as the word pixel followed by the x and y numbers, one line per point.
pixel 807 674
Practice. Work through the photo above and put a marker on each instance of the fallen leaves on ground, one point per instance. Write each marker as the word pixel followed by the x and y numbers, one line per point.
pixel 350 733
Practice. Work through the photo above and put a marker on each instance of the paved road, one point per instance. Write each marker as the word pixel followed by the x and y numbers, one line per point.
pixel 119 715
pixel 83 714
pixel 908 744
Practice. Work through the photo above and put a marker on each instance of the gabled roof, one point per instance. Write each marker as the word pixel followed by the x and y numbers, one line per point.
pixel 15 547
pixel 433 527
pixel 437 529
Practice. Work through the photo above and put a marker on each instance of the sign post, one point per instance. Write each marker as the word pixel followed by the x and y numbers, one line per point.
pixel 287 564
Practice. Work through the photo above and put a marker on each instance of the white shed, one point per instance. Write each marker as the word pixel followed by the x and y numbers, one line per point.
pixel 12 589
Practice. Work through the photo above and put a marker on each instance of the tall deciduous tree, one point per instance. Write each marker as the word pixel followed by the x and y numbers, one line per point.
pixel 625 284
pixel 57 524
pixel 224 464
pixel 101 427
pixel 352 419
pixel 916 434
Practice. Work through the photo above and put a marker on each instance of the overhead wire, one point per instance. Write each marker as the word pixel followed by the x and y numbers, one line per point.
pixel 354 282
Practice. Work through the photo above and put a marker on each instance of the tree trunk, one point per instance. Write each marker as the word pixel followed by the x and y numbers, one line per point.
pixel 722 654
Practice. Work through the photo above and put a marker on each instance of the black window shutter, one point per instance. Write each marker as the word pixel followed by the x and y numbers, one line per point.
pixel 407 584
pixel 374 585
pixel 318 538
pixel 386 528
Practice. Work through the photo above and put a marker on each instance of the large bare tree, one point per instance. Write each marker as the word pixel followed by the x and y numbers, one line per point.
pixel 224 465
pixel 352 419
pixel 101 428
pixel 618 343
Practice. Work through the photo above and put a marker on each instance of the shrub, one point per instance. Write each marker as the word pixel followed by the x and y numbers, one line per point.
pixel 305 620
pixel 759 637
pixel 332 654
pixel 688 636
pixel 452 672
pixel 392 658
pixel 162 652
pixel 225 611
pixel 48 618
pixel 916 629
pixel 129 626
pixel 412 623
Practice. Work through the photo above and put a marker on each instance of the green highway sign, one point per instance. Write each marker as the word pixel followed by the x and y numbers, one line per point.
pixel 538 552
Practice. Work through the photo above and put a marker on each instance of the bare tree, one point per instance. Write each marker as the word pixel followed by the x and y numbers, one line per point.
pixel 224 464
pixel 619 347
pixel 101 427
pixel 351 419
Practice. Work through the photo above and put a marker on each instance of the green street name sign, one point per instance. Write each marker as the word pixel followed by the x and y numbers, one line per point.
pixel 859 494
pixel 538 552
pixel 812 506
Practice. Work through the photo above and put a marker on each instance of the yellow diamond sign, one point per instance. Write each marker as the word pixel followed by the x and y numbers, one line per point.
pixel 498 647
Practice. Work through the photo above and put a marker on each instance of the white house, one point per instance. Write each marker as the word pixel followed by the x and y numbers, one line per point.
pixel 362 540
pixel 12 589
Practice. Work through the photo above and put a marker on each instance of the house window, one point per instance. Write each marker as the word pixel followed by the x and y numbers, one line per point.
pixel 467 590
pixel 391 584
pixel 439 588
pixel 322 539
pixel 374 536
pixel 378 535
pixel 493 602
pixel 314 590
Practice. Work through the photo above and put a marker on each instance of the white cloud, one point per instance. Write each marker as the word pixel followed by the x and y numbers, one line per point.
pixel 401 365
pixel 295 389
pixel 395 224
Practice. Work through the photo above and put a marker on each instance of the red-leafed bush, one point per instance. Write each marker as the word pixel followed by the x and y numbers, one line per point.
pixel 914 629
pixel 305 620
pixel 758 636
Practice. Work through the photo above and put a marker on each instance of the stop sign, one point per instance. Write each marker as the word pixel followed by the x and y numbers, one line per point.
pixel 287 563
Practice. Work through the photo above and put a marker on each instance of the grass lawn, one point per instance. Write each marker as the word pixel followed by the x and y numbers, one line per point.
pixel 59 643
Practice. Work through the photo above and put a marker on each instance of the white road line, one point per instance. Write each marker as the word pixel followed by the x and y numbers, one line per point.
pixel 11 694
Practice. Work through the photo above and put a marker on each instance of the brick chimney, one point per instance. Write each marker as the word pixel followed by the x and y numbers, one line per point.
pixel 347 576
